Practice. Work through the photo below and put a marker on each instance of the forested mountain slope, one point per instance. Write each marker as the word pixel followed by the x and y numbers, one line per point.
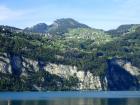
pixel 79 58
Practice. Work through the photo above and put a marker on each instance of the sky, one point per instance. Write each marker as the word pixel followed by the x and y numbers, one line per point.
pixel 101 14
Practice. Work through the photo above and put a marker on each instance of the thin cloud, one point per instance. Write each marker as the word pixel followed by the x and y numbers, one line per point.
pixel 9 14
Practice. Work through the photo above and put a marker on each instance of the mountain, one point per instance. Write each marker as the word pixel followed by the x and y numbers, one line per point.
pixel 26 64
pixel 6 28
pixel 123 29
pixel 62 26
pixel 58 27
pixel 38 28
pixel 80 59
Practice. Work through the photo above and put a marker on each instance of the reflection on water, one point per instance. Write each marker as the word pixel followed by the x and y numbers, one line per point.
pixel 76 101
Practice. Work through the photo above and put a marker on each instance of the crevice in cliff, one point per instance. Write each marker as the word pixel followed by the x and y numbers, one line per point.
pixel 16 64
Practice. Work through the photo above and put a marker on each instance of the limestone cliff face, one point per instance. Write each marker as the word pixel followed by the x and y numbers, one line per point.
pixel 19 66
pixel 86 80
pixel 5 66
pixel 121 74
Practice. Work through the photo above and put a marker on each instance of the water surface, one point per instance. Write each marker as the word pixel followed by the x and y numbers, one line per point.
pixel 70 98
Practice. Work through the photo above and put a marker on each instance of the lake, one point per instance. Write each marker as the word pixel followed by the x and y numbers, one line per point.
pixel 71 98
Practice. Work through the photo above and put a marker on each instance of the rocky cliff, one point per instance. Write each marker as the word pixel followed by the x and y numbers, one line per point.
pixel 21 66
pixel 120 75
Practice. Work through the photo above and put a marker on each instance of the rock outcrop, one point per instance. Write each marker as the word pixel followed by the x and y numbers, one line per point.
pixel 87 81
pixel 121 74
pixel 21 66
pixel 5 66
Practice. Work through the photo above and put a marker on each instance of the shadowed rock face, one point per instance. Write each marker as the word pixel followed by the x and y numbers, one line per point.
pixel 16 64
pixel 118 78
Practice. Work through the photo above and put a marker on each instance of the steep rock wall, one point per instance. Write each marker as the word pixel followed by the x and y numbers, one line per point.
pixel 19 66
pixel 121 74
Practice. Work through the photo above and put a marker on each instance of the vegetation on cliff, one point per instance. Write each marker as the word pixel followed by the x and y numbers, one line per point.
pixel 88 49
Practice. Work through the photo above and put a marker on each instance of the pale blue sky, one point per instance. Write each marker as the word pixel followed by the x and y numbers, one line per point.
pixel 104 14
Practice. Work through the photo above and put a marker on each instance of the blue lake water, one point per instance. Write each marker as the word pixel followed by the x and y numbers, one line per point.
pixel 71 98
